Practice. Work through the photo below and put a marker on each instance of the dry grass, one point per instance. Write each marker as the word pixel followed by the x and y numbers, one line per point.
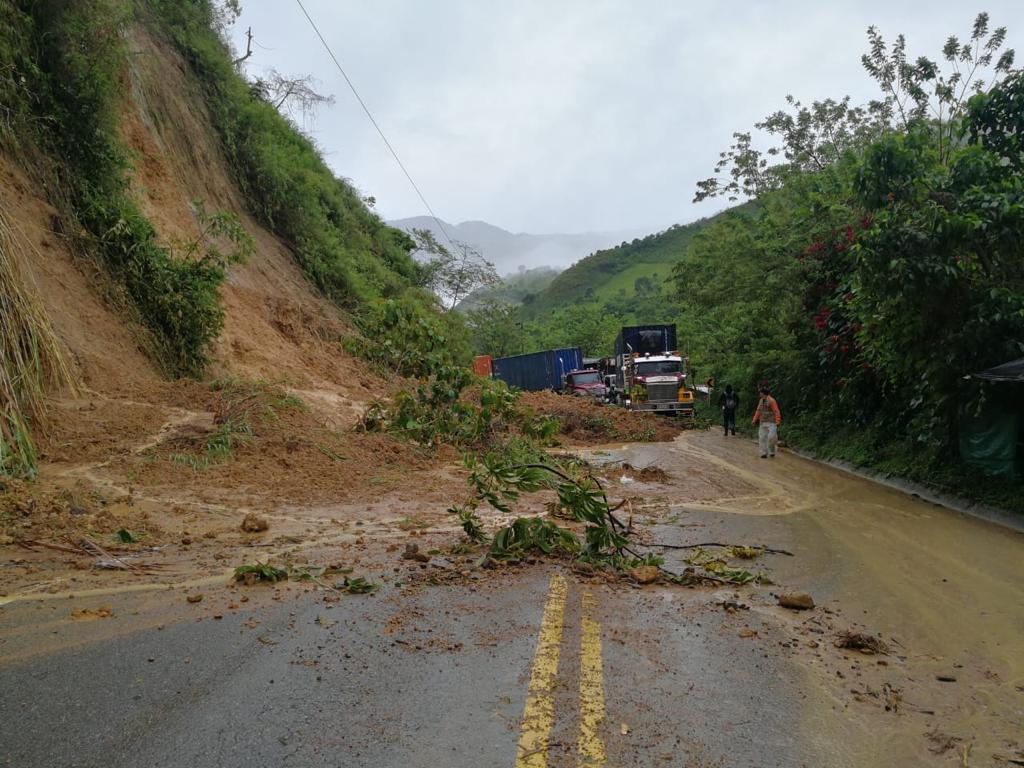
pixel 31 357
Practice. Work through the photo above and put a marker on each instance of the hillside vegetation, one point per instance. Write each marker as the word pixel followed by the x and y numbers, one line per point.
pixel 137 153
pixel 603 274
pixel 881 264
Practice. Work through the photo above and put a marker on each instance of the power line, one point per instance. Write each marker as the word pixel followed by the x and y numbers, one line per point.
pixel 366 109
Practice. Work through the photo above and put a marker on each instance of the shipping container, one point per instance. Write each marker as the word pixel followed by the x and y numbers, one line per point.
pixel 482 365
pixel 538 370
pixel 646 340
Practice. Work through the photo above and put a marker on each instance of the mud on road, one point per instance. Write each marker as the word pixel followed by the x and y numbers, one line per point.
pixel 442 663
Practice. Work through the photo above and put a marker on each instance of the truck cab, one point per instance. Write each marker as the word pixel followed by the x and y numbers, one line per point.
pixel 584 383
pixel 656 382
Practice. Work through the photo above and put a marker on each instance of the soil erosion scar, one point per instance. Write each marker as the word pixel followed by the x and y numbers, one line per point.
pixel 539 712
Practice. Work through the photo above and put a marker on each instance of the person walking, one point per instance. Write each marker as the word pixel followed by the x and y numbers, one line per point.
pixel 768 416
pixel 729 401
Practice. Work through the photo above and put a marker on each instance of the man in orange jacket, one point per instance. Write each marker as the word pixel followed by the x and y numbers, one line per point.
pixel 769 417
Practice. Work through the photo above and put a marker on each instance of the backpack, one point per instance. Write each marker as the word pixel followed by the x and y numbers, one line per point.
pixel 730 402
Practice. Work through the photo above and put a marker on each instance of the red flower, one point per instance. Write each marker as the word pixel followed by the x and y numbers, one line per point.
pixel 849 234
pixel 866 221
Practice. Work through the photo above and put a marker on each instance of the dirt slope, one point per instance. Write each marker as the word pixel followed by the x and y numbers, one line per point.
pixel 277 326
pixel 130 449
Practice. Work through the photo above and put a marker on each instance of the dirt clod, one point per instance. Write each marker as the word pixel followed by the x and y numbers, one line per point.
pixel 797 601
pixel 861 641
pixel 645 574
pixel 253 523
pixel 196 598
pixel 90 614
pixel 412 552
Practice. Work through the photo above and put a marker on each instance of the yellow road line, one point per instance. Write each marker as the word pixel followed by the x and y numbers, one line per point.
pixel 590 746
pixel 539 712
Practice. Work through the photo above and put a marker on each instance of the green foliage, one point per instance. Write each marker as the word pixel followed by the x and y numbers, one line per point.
pixel 499 483
pixel 446 409
pixel 357 586
pixel 64 81
pixel 403 336
pixel 260 572
pixel 869 284
pixel 470 522
pixel 496 328
pixel 342 246
pixel 526 535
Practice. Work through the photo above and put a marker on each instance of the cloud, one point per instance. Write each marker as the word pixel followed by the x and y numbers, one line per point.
pixel 577 115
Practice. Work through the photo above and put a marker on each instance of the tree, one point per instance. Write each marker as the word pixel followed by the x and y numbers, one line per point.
pixel 289 94
pixel 453 273
pixel 496 329
pixel 812 138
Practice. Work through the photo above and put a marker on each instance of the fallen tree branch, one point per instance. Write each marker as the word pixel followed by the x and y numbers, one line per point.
pixel 31 544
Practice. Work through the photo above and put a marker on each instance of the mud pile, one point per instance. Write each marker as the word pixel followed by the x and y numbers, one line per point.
pixel 586 422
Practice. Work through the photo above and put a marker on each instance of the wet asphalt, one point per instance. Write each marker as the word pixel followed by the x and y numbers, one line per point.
pixel 439 675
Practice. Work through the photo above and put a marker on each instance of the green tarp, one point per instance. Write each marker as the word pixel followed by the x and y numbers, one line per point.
pixel 989 439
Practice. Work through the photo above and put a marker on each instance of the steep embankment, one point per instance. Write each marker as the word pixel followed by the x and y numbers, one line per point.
pixel 276 325
pixel 268 424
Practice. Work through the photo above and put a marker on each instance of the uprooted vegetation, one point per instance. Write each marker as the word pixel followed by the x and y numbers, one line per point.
pixel 605 541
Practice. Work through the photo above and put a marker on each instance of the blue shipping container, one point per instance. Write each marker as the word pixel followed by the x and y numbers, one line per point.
pixel 538 370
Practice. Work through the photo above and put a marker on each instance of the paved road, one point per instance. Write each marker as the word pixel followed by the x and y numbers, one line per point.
pixel 540 666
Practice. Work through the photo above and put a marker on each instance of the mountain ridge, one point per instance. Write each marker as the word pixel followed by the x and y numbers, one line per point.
pixel 509 251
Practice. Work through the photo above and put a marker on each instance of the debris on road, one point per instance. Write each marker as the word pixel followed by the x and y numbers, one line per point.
pixel 251 574
pixel 412 552
pixel 253 523
pixel 645 574
pixel 796 601
pixel 90 614
pixel 861 641
pixel 196 598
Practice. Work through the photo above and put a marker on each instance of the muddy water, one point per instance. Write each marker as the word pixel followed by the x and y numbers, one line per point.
pixel 944 589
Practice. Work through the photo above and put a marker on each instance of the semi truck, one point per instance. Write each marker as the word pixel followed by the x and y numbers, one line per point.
pixel 649 372
pixel 538 370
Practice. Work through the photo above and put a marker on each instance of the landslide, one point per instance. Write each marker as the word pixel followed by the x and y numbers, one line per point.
pixel 128 448
pixel 585 422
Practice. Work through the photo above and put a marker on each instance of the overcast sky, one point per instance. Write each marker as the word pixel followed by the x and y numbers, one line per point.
pixel 573 115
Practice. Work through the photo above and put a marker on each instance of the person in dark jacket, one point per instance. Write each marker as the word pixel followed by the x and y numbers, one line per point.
pixel 729 401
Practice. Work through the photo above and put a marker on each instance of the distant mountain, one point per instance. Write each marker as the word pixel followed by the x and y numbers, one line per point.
pixel 509 251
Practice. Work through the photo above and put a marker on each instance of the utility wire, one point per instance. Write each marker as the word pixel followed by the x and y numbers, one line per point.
pixel 366 109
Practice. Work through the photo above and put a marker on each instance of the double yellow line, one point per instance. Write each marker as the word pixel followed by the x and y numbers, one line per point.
pixel 539 712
